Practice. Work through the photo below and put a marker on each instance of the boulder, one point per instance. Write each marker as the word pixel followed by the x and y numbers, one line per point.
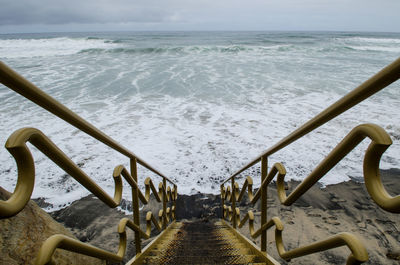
pixel 21 237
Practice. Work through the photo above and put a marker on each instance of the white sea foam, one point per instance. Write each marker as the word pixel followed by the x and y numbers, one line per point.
pixel 197 116
pixel 20 48
pixel 376 40
pixel 377 48
pixel 372 44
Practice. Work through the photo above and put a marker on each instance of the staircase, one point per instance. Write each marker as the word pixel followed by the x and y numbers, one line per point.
pixel 196 242
pixel 201 242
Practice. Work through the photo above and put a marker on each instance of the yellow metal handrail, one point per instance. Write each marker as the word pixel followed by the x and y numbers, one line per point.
pixel 19 84
pixel 16 145
pixel 385 77
pixel 358 252
pixel 380 142
pixel 64 242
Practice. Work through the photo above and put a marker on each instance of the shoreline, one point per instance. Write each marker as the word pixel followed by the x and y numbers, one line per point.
pixel 319 213
pixel 125 204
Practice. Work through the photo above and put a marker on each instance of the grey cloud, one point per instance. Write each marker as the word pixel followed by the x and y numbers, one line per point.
pixel 205 14
pixel 78 11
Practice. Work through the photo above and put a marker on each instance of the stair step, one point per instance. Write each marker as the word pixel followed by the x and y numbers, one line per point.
pixel 184 246
pixel 202 252
pixel 225 259
pixel 201 243
pixel 204 242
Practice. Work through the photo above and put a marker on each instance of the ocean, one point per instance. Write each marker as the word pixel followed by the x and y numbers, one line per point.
pixel 195 105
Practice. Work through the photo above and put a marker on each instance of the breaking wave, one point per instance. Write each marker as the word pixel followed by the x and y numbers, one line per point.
pixel 195 106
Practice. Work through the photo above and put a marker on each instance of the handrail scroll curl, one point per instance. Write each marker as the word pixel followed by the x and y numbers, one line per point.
pixel 17 146
pixel 380 142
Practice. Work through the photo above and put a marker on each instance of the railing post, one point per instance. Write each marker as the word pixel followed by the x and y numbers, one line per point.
pixel 233 203
pixel 222 202
pixel 175 198
pixel 135 205
pixel 264 170
pixel 164 202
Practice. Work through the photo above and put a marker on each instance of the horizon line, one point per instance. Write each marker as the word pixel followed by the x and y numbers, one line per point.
pixel 197 30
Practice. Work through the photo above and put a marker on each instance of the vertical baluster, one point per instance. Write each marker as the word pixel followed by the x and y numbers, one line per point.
pixel 264 170
pixel 233 203
pixel 222 201
pixel 164 202
pixel 175 198
pixel 135 205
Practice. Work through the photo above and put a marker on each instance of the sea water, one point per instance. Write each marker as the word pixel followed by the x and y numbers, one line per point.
pixel 195 105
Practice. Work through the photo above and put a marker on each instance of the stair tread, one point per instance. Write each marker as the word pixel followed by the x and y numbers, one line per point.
pixel 201 243
pixel 209 252
pixel 244 259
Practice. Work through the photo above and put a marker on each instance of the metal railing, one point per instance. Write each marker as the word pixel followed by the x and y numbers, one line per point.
pixel 380 142
pixel 16 145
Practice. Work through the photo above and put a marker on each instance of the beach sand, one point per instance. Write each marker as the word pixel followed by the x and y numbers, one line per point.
pixel 343 207
pixel 318 214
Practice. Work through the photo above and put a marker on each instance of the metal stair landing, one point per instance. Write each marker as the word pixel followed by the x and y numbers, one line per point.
pixel 200 242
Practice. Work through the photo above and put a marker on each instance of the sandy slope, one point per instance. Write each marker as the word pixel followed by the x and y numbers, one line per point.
pixel 318 214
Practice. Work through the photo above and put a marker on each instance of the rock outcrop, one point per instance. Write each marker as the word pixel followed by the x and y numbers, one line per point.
pixel 321 212
pixel 21 237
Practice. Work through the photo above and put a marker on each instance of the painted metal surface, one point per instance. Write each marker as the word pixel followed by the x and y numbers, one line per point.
pixel 380 141
pixel 17 146
pixel 232 194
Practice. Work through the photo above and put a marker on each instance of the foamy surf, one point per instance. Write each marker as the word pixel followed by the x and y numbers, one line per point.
pixel 197 106
pixel 43 47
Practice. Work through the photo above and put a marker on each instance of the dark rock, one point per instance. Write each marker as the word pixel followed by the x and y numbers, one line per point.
pixel 41 202
pixel 319 213
pixel 198 206
pixel 393 255
pixel 126 205
pixel 81 213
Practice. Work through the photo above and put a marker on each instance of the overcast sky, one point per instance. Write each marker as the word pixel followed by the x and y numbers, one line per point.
pixel 103 15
